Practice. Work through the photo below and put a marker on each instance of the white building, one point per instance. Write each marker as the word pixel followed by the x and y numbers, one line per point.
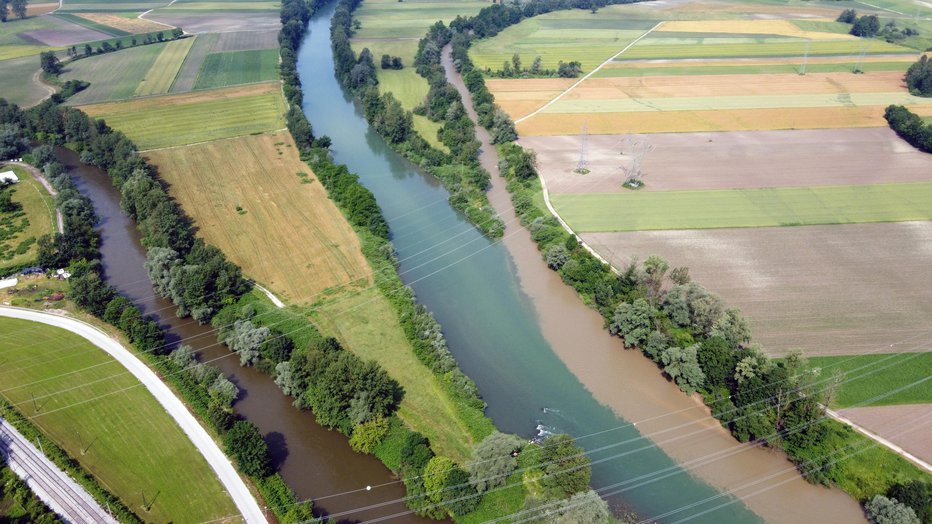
pixel 8 176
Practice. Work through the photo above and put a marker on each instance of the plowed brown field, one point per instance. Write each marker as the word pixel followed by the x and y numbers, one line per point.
pixel 736 160
pixel 693 121
pixel 880 420
pixel 831 290
pixel 289 236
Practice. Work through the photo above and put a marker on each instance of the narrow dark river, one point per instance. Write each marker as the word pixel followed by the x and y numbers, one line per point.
pixel 472 286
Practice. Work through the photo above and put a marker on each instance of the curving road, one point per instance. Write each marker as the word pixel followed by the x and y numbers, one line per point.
pixel 228 476
pixel 52 485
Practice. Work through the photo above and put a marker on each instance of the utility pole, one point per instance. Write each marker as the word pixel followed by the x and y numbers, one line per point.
pixel 582 165
pixel 802 69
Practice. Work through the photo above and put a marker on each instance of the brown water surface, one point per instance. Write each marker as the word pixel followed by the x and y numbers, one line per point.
pixel 633 387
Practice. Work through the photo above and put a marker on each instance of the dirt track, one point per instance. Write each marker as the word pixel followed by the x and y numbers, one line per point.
pixel 830 290
pixel 751 159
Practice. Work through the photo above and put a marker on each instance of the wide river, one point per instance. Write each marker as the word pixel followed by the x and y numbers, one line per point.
pixel 520 333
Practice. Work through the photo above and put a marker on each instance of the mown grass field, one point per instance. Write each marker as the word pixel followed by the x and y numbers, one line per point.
pixel 561 36
pixel 787 68
pixel 408 87
pixel 658 47
pixel 16 81
pixel 125 439
pixel 113 76
pixel 237 67
pixel 870 376
pixel 174 120
pixel 163 71
pixel 633 210
pixel 366 323
pixel 285 218
pixel 393 19
pixel 34 219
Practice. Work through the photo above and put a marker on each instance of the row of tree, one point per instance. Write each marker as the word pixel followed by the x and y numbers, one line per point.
pixel 18 7
pixel 514 69
pixel 868 26
pixel 910 126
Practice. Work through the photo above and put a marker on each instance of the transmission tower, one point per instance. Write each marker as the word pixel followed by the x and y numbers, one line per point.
pixel 864 50
pixel 582 166
pixel 802 69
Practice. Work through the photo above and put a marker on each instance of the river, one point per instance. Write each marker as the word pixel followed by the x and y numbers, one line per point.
pixel 314 461
pixel 491 323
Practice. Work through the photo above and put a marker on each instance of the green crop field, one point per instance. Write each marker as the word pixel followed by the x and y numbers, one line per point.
pixel 113 76
pixel 646 210
pixel 560 36
pixel 707 103
pixel 869 376
pixel 757 69
pixel 107 6
pixel 187 75
pixel 16 81
pixel 91 406
pixel 178 120
pixel 162 73
pixel 823 26
pixel 646 49
pixel 237 67
pixel 393 19
pixel 20 229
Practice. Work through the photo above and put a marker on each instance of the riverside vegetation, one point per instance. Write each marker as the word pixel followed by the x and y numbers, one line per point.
pixel 700 344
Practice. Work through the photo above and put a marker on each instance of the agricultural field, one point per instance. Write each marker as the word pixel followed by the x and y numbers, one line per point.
pixel 20 229
pixel 237 67
pixel 113 76
pixel 133 26
pixel 883 420
pixel 126 440
pixel 91 24
pixel 828 290
pixel 133 7
pixel 213 17
pixel 254 199
pixel 187 75
pixel 162 73
pixel 390 19
pixel 201 116
pixel 867 377
pixel 19 81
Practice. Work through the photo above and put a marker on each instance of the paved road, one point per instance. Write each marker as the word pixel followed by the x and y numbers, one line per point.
pixel 228 476
pixel 53 486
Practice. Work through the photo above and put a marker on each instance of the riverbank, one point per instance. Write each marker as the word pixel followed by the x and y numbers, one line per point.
pixel 634 388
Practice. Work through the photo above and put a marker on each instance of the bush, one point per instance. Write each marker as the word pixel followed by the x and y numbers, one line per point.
pixel 881 510
pixel 368 435
pixel 244 442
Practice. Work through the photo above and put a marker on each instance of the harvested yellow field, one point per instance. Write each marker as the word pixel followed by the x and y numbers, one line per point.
pixel 195 97
pixel 778 11
pixel 760 27
pixel 130 25
pixel 735 85
pixel 693 121
pixel 162 73
pixel 519 97
pixel 255 199
pixel 647 64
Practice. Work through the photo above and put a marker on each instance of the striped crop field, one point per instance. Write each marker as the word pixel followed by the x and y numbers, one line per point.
pixel 640 210
pixel 237 67
pixel 113 76
pixel 768 27
pixel 667 48
pixel 163 71
pixel 393 19
pixel 201 116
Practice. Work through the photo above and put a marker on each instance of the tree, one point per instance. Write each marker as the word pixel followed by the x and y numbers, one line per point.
pixel 493 460
pixel 368 435
pixel 655 267
pixel 12 143
pixel 682 365
pixel 565 465
pixel 535 66
pixel 50 63
pixel 569 69
pixel 525 167
pixel 919 77
pixel 448 485
pixel 632 322
pixel 3 10
pixel 516 63
pixel 716 360
pixel 585 507
pixel 246 339
pixel 881 510
pixel 733 328
pixel 245 443
pixel 19 7
pixel 866 26
pixel 386 62
pixel 556 256
pixel 915 494
pixel 223 391
pixel 848 16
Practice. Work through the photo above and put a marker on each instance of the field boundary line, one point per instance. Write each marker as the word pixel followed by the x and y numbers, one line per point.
pixel 884 442
pixel 211 141
pixel 198 436
pixel 590 73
